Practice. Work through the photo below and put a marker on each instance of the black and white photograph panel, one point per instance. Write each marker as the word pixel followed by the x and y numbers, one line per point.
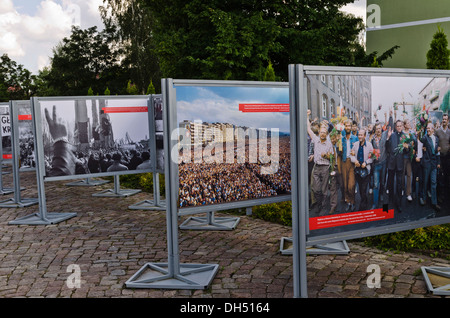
pixel 26 135
pixel 93 136
pixel 158 108
pixel 6 132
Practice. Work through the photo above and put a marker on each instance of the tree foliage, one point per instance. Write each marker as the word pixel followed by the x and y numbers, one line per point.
pixel 16 82
pixel 86 59
pixel 134 29
pixel 438 57
pixel 235 39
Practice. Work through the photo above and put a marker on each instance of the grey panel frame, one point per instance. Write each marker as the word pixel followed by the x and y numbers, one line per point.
pixel 42 217
pixel 439 271
pixel 39 142
pixel 172 275
pixel 299 166
pixel 2 189
pixel 17 201
pixel 156 204
pixel 7 105
pixel 363 71
pixel 210 222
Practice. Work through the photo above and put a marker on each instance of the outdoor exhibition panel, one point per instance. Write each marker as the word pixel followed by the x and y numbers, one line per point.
pixel 99 128
pixel 403 161
pixel 232 148
pixel 231 131
pixel 83 137
pixel 157 148
pixel 172 274
pixel 6 149
pixel 23 150
pixel 5 132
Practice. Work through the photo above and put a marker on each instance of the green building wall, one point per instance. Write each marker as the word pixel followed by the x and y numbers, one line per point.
pixel 414 40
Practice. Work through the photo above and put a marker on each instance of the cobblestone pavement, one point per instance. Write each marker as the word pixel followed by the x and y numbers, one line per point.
pixel 110 243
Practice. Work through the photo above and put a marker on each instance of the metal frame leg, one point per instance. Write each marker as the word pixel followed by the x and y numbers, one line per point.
pixel 117 192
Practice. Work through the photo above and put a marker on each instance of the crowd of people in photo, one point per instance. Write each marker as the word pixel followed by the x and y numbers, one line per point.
pixel 202 183
pixel 102 160
pixel 26 152
pixel 378 163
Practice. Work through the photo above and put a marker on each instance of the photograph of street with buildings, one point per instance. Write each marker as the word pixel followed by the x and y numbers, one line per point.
pixel 378 151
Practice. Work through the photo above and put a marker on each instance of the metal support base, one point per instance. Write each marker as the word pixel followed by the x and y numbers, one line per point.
pixel 336 248
pixel 437 280
pixel 149 205
pixel 6 190
pixel 111 193
pixel 37 219
pixel 156 275
pixel 9 190
pixel 210 223
pixel 87 182
pixel 22 203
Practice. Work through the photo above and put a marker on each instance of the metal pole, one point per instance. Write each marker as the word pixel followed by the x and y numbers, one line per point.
pixel 156 192
pixel 298 157
pixel 171 182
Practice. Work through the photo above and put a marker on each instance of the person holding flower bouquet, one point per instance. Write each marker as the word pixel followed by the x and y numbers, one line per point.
pixel 411 140
pixel 320 174
pixel 335 177
pixel 379 164
pixel 361 158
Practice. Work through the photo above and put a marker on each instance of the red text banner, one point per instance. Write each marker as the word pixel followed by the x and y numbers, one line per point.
pixel 134 109
pixel 322 222
pixel 25 117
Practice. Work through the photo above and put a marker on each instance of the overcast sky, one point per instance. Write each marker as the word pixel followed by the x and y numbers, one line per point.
pixel 30 29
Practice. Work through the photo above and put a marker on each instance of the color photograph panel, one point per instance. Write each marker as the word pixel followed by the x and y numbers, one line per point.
pixel 233 144
pixel 378 151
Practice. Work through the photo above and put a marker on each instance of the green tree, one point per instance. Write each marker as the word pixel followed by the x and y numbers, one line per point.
pixel 90 92
pixel 234 39
pixel 132 88
pixel 438 57
pixel 151 88
pixel 88 58
pixel 107 91
pixel 134 31
pixel 16 82
pixel 269 75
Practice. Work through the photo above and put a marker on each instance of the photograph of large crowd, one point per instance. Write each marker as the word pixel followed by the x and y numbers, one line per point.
pixel 83 137
pixel 388 149
pixel 222 166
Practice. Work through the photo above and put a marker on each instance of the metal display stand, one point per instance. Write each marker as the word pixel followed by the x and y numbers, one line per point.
pixel 299 165
pixel 210 222
pixel 172 275
pixel 336 248
pixel 42 217
pixel 2 189
pixel 16 201
pixel 156 204
pixel 88 182
pixel 117 192
pixel 437 280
